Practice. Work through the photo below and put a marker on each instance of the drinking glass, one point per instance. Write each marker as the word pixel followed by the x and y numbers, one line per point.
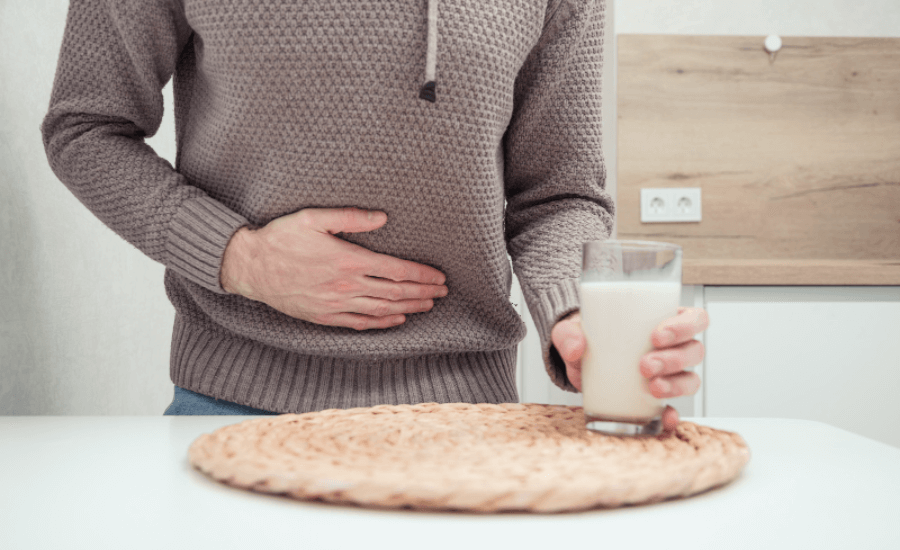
pixel 627 289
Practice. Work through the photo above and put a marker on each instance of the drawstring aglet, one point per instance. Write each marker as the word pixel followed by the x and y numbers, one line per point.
pixel 428 92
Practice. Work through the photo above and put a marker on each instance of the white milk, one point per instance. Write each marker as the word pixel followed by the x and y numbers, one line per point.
pixel 617 318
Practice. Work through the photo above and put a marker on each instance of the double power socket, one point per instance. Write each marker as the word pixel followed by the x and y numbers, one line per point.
pixel 670 204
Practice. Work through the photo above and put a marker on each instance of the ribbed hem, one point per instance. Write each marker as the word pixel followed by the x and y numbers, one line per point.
pixel 198 235
pixel 546 311
pixel 248 373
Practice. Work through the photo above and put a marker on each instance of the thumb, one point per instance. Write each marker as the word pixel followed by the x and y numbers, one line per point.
pixel 570 343
pixel 346 220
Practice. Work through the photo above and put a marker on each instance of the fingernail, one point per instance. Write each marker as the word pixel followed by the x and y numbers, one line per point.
pixel 665 386
pixel 656 367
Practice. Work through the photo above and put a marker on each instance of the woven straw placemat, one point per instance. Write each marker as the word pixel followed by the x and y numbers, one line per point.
pixel 459 456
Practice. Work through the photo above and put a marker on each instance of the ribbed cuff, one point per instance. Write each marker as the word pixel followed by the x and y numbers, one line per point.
pixel 546 310
pixel 198 235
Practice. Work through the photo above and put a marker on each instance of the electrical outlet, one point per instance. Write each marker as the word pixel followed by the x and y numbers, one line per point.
pixel 671 204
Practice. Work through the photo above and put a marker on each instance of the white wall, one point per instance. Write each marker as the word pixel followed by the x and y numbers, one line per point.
pixel 84 322
pixel 761 17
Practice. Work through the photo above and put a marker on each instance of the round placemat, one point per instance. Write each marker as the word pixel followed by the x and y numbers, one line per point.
pixel 460 456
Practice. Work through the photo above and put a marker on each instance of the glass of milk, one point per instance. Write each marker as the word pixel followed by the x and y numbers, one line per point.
pixel 627 289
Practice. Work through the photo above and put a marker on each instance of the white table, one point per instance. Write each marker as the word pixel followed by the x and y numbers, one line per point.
pixel 125 483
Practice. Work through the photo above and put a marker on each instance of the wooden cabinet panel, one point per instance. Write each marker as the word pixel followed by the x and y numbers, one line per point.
pixel 796 158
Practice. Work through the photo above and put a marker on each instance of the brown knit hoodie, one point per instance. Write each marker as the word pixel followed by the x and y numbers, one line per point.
pixel 281 106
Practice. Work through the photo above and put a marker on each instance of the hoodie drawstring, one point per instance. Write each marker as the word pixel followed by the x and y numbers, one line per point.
pixel 428 91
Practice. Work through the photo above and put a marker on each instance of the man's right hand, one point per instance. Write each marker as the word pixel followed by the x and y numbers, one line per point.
pixel 296 265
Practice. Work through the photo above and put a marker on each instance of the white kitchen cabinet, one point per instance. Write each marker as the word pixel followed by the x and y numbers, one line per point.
pixel 829 354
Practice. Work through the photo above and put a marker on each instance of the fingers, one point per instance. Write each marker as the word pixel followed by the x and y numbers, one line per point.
pixel 302 269
pixel 666 369
pixel 568 338
pixel 689 322
pixel 672 360
pixel 395 269
pixel 670 419
pixel 340 220
pixel 360 322
pixel 675 385
pixel 388 290
pixel 383 308
pixel 372 264
pixel 570 343
pixel 573 373
pixel 369 313
pixel 373 313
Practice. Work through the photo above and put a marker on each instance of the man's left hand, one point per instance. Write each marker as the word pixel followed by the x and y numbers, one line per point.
pixel 674 350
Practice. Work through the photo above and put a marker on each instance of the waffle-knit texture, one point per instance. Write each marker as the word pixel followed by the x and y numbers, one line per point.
pixel 281 106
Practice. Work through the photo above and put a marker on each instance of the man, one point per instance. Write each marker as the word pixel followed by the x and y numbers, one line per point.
pixel 336 225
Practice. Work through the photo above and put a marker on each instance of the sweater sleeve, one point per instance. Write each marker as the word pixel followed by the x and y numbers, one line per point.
pixel 115 58
pixel 554 170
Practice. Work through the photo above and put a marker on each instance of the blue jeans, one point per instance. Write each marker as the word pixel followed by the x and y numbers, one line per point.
pixel 187 402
